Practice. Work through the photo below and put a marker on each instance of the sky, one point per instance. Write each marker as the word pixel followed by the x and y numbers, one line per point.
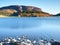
pixel 50 6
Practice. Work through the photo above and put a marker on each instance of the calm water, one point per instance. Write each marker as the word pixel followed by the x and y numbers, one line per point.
pixel 34 28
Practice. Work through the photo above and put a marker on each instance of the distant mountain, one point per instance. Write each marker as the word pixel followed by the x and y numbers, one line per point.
pixel 57 14
pixel 23 11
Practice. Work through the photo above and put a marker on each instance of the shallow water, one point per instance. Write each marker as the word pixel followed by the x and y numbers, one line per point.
pixel 34 28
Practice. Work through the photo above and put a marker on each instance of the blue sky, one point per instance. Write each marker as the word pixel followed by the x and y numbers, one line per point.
pixel 50 6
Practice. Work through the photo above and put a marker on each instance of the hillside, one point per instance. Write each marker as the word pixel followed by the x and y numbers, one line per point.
pixel 57 14
pixel 23 11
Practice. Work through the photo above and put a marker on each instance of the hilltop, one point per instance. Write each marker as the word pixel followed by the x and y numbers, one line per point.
pixel 23 11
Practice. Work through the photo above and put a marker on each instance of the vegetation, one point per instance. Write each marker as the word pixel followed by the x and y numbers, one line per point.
pixel 31 13
pixel 4 13
pixel 24 13
pixel 14 14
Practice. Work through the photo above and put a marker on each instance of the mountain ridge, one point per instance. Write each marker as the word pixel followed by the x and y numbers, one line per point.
pixel 23 11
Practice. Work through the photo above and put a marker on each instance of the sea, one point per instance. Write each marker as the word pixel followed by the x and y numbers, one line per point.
pixel 34 28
